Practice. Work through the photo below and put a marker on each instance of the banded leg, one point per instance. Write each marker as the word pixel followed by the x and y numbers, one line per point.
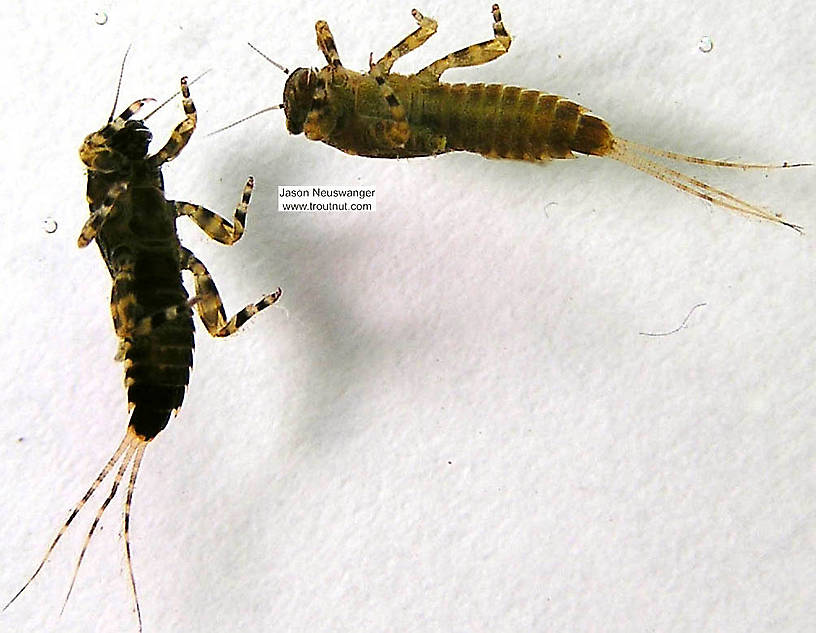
pixel 98 216
pixel 124 309
pixel 321 119
pixel 119 122
pixel 325 42
pixel 214 225
pixel 100 138
pixel 125 312
pixel 396 131
pixel 181 134
pixel 393 132
pixel 127 321
pixel 124 321
pixel 96 152
pixel 209 305
pixel 147 324
pixel 427 27
pixel 473 55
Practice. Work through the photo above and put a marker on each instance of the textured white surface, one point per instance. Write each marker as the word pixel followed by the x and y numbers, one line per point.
pixel 454 424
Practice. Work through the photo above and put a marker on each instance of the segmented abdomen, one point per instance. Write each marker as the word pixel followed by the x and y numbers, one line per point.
pixel 157 367
pixel 508 122
pixel 142 251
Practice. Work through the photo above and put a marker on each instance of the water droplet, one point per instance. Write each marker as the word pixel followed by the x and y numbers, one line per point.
pixel 100 17
pixel 706 44
pixel 49 225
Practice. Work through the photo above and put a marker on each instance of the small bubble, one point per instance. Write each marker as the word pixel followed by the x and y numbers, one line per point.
pixel 49 225
pixel 100 17
pixel 706 44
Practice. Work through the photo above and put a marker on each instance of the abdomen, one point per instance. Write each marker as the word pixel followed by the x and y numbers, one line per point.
pixel 158 363
pixel 140 246
pixel 507 122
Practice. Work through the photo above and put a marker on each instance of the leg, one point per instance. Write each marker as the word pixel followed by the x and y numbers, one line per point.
pixel 377 137
pixel 321 120
pixel 96 152
pixel 184 130
pixel 214 225
pixel 124 310
pixel 98 216
pixel 325 42
pixel 472 55
pixel 127 320
pixel 147 324
pixel 119 122
pixel 427 27
pixel 209 305
pixel 395 131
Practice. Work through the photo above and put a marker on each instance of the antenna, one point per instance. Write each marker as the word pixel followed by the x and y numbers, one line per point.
pixel 246 118
pixel 119 84
pixel 269 59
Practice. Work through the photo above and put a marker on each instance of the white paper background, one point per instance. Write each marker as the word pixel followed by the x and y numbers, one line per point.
pixel 453 423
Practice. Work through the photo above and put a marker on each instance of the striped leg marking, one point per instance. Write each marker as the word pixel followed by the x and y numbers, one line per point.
pixel 184 130
pixel 321 119
pixel 125 312
pixel 209 305
pixel 474 54
pixel 396 131
pixel 98 216
pixel 96 151
pixel 123 306
pixel 149 323
pixel 214 225
pixel 119 122
pixel 325 42
pixel 427 27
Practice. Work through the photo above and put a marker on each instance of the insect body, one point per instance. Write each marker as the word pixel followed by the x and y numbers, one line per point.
pixel 134 226
pixel 386 115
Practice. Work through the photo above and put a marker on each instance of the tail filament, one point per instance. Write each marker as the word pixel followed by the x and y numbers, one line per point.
pixel 640 157
pixel 133 447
